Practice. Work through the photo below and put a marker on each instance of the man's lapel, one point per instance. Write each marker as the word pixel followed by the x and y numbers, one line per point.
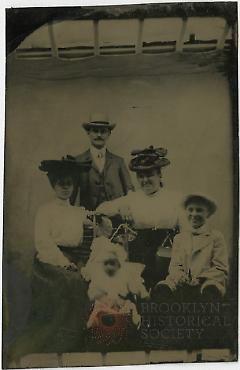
pixel 86 156
pixel 108 161
pixel 90 158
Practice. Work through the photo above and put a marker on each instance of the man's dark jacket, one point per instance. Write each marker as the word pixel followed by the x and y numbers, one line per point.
pixel 96 187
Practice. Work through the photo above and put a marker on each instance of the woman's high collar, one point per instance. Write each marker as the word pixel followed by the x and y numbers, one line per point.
pixel 62 202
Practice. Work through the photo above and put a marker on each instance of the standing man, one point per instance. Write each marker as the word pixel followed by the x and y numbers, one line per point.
pixel 108 177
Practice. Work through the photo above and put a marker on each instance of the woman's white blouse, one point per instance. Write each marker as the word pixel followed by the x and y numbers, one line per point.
pixel 57 223
pixel 160 210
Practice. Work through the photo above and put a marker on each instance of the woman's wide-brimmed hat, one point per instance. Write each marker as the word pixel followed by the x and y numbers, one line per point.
pixel 66 164
pixel 98 120
pixel 209 202
pixel 148 159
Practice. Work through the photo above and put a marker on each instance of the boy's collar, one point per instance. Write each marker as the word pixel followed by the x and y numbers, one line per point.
pixel 203 230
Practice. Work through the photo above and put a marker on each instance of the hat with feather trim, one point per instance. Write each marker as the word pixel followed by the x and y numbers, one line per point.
pixel 148 159
pixel 66 164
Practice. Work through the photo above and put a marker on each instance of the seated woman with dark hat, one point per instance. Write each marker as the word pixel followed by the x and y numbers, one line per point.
pixel 59 226
pixel 59 293
pixel 153 211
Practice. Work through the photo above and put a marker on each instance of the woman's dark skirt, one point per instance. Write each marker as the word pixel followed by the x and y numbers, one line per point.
pixel 59 312
pixel 144 249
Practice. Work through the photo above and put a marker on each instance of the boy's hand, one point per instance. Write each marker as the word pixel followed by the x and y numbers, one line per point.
pixel 183 279
pixel 178 277
pixel 194 281
pixel 71 267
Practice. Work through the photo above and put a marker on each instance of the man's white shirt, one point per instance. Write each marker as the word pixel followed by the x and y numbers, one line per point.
pixel 99 157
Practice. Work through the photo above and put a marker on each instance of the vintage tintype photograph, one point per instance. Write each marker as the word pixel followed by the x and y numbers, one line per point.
pixel 121 185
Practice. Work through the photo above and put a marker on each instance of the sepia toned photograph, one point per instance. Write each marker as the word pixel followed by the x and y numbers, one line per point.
pixel 121 210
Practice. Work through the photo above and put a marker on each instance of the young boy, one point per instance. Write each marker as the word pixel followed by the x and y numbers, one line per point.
pixel 199 255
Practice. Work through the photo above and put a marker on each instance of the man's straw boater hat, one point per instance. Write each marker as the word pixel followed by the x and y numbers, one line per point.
pixel 98 120
pixel 201 198
pixel 148 159
pixel 66 164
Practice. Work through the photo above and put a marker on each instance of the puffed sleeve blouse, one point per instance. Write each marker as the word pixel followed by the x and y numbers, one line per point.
pixel 159 210
pixel 57 223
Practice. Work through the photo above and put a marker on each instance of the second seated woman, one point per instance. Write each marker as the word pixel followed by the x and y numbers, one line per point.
pixel 152 210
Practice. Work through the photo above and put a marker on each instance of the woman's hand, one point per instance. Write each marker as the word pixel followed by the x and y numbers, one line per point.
pixel 104 226
pixel 126 214
pixel 87 221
